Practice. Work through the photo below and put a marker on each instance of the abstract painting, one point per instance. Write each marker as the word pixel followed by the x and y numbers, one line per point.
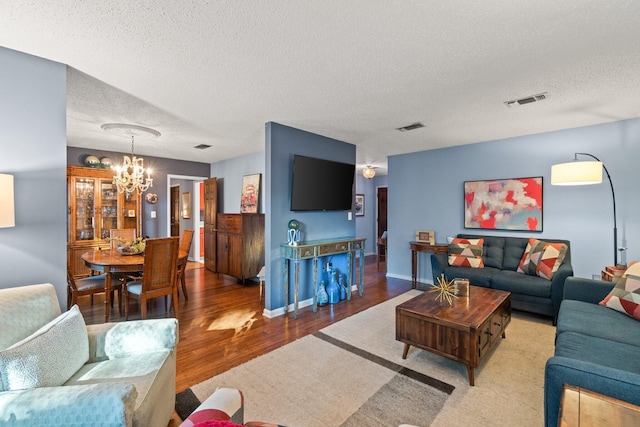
pixel 504 204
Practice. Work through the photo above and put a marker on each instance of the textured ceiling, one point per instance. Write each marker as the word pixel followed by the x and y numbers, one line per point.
pixel 214 72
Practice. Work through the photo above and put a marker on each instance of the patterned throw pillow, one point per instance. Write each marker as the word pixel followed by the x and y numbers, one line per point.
pixel 49 356
pixel 466 253
pixel 542 258
pixel 625 296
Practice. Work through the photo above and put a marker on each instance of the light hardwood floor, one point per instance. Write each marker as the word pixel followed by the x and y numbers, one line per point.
pixel 222 326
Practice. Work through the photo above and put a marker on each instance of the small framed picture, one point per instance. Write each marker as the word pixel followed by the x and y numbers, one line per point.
pixel 250 193
pixel 359 204
pixel 426 236
pixel 132 213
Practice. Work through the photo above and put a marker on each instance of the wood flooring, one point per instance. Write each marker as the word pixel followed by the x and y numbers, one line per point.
pixel 222 326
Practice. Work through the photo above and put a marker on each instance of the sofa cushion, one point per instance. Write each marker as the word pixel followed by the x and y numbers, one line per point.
pixel 492 249
pixel 477 276
pixel 599 351
pixel 542 258
pixel 625 296
pixel 521 284
pixel 48 357
pixel 466 253
pixel 597 321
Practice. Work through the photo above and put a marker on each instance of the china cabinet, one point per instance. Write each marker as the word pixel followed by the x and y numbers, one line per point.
pixel 94 207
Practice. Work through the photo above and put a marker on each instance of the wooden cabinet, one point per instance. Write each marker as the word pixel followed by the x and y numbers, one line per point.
pixel 94 207
pixel 240 245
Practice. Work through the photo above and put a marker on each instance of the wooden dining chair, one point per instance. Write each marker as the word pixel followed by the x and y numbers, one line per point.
pixel 89 286
pixel 185 245
pixel 159 275
pixel 118 236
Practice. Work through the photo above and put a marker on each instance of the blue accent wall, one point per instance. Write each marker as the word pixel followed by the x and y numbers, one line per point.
pixel 282 142
pixel 426 192
pixel 230 173
pixel 33 148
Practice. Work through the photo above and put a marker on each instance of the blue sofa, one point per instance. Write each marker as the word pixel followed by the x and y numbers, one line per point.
pixel 501 256
pixel 596 348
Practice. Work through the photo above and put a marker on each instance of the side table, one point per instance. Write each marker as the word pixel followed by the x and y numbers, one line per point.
pixel 585 408
pixel 422 247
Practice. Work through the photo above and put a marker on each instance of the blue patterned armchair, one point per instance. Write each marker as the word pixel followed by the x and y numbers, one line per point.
pixel 55 370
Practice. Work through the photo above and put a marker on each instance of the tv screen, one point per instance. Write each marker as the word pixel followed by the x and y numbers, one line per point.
pixel 321 185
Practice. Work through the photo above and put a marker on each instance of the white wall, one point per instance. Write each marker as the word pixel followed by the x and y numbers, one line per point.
pixel 33 149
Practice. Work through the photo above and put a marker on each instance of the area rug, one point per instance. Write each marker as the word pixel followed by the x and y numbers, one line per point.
pixel 352 374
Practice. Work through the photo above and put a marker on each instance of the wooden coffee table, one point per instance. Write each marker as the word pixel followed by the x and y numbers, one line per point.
pixel 464 331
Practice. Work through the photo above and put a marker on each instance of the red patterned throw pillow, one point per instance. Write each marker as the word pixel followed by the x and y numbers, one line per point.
pixel 466 253
pixel 542 258
pixel 625 296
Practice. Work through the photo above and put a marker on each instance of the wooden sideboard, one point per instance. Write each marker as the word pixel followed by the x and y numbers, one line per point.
pixel 312 250
pixel 240 245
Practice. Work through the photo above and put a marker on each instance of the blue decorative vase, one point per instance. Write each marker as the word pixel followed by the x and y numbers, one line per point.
pixel 323 297
pixel 343 288
pixel 333 290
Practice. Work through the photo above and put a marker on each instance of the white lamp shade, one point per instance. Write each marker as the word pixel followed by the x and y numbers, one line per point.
pixel 7 215
pixel 576 173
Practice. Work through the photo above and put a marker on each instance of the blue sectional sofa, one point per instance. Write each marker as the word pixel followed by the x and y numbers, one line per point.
pixel 596 348
pixel 501 256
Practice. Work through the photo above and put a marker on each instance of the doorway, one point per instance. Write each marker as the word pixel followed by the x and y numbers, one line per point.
pixel 382 210
pixel 187 183
pixel 175 211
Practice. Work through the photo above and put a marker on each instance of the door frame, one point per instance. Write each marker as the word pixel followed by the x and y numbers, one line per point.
pixel 197 221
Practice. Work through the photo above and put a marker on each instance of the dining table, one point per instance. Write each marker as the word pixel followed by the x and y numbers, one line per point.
pixel 113 261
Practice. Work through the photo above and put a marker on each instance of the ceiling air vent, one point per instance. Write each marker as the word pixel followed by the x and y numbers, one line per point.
pixel 412 126
pixel 202 146
pixel 527 100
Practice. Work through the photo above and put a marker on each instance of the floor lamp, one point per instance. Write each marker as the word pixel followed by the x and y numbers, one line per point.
pixel 585 173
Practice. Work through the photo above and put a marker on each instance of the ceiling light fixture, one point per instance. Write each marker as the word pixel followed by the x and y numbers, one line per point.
pixel 368 172
pixel 129 176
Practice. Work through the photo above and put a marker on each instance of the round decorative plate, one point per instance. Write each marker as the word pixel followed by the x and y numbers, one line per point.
pixel 151 198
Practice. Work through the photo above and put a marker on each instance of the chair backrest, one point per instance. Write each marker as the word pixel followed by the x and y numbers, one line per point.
pixel 160 263
pixel 119 236
pixel 185 240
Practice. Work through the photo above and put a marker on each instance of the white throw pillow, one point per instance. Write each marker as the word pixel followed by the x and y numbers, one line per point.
pixel 49 356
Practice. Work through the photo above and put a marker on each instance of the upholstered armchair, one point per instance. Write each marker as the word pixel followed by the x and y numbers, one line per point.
pixel 55 370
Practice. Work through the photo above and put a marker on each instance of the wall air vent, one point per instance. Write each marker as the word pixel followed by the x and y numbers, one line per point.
pixel 202 146
pixel 527 100
pixel 411 127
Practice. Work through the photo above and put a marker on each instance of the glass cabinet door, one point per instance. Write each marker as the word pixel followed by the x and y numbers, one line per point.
pixel 109 208
pixel 85 208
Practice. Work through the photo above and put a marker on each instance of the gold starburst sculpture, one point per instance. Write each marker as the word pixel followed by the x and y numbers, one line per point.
pixel 445 290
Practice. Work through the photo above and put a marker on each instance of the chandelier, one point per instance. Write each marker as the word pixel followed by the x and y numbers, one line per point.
pixel 130 176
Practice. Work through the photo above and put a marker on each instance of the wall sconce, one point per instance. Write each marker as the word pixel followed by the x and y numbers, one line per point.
pixel 7 211
pixel 368 172
pixel 586 173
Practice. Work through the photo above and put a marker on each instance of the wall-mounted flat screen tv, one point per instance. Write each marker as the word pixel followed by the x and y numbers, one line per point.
pixel 321 185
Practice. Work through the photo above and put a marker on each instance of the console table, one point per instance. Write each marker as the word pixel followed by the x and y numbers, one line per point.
pixel 314 249
pixel 422 247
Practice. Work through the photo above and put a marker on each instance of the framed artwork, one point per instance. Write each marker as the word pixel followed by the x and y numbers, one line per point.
pixel 359 204
pixel 504 204
pixel 426 236
pixel 250 193
pixel 186 205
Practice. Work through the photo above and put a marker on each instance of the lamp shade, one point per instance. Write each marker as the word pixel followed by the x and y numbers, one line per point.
pixel 576 173
pixel 7 215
